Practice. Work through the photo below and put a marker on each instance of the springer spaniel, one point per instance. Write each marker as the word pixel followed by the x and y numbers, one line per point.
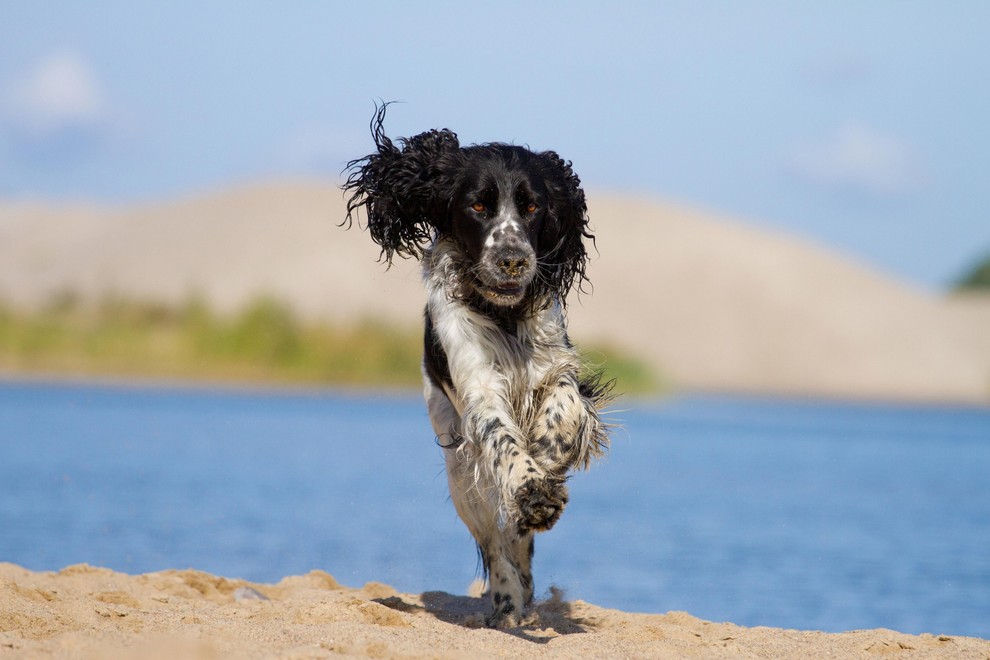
pixel 500 231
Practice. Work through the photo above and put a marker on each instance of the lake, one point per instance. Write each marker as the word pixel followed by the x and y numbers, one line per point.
pixel 785 513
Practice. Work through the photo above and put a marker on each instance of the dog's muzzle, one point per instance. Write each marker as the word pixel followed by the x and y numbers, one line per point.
pixel 506 272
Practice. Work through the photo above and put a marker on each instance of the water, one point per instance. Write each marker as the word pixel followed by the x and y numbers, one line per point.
pixel 761 512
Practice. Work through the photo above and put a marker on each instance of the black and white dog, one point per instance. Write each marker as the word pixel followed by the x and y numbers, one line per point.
pixel 500 231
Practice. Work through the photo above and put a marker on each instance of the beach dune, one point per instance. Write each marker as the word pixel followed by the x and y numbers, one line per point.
pixel 709 303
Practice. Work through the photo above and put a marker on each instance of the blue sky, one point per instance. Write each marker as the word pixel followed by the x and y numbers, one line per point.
pixel 862 125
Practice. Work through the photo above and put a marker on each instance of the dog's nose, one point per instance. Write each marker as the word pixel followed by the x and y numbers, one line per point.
pixel 513 266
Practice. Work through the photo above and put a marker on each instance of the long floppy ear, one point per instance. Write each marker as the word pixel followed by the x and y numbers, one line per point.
pixel 401 189
pixel 563 257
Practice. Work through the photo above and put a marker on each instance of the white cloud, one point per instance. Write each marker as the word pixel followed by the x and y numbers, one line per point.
pixel 61 93
pixel 857 157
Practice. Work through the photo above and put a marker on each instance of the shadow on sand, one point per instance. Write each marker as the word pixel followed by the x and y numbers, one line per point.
pixel 552 613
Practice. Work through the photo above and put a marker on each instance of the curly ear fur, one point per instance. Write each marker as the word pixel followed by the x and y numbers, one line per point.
pixel 401 189
pixel 563 257
pixel 406 191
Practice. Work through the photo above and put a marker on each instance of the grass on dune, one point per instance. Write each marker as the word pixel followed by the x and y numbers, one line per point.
pixel 264 343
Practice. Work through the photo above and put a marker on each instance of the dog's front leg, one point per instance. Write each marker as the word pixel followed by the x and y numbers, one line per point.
pixel 525 499
pixel 531 499
pixel 567 431
pixel 508 557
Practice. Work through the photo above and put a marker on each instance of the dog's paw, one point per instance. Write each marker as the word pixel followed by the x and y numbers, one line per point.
pixel 540 504
pixel 505 613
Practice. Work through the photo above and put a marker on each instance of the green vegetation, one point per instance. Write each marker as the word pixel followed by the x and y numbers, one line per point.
pixel 631 375
pixel 264 343
pixel 978 277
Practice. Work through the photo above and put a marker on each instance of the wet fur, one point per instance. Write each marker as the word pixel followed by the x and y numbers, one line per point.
pixel 500 231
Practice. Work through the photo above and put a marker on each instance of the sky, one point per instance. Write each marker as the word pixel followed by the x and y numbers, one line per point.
pixel 862 126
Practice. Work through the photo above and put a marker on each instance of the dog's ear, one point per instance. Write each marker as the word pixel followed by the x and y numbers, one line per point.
pixel 563 256
pixel 402 189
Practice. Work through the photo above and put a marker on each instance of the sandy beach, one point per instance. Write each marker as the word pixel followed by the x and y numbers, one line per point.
pixel 89 612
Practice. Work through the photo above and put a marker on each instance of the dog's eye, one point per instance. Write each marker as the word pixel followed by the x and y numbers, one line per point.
pixel 531 207
pixel 478 207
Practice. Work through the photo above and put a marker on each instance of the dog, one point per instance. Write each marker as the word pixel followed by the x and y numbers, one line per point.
pixel 500 231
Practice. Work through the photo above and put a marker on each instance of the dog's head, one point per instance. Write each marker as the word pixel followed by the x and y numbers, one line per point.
pixel 519 217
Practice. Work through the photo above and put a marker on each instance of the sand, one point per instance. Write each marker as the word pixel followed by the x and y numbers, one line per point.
pixel 711 303
pixel 89 612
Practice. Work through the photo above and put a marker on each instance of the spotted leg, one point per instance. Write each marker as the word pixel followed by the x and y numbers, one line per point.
pixel 478 473
pixel 566 432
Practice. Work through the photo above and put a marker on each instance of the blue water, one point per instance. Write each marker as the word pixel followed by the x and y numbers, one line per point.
pixel 761 512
